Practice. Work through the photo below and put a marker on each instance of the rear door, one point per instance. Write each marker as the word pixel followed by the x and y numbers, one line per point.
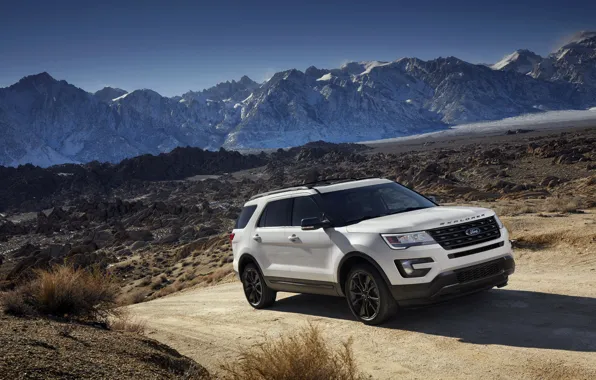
pixel 308 252
pixel 269 237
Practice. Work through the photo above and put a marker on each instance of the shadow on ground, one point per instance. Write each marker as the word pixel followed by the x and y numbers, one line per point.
pixel 504 317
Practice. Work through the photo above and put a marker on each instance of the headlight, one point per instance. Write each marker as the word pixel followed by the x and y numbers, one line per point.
pixel 412 239
pixel 499 223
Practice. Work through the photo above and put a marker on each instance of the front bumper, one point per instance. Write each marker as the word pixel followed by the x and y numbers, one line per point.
pixel 455 283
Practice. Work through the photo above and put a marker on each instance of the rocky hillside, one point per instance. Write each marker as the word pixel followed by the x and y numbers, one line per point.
pixel 160 223
pixel 45 121
pixel 50 349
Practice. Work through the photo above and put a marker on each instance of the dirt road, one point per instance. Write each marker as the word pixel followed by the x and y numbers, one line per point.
pixel 542 326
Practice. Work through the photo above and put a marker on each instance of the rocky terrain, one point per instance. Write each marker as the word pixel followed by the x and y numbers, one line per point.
pixel 46 121
pixel 160 223
pixel 48 349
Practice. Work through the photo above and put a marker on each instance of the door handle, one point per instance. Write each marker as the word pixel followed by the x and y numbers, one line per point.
pixel 293 237
pixel 256 238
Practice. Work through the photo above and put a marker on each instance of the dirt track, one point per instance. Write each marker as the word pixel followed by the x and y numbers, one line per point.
pixel 542 326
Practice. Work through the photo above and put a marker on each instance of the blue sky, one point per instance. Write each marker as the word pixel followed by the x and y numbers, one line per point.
pixel 173 46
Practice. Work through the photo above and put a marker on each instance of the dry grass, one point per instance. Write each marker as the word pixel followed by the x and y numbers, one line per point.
pixel 218 275
pixel 13 302
pixel 304 355
pixel 126 323
pixel 134 296
pixel 66 292
pixel 564 205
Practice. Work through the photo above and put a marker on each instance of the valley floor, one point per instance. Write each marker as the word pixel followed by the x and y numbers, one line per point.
pixel 540 326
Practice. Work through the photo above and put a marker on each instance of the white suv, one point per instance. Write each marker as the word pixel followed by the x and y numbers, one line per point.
pixel 373 241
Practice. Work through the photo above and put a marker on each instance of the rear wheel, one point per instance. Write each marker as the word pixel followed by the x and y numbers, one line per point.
pixel 368 296
pixel 257 293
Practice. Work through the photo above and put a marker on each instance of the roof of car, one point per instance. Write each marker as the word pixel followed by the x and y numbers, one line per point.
pixel 351 184
pixel 323 188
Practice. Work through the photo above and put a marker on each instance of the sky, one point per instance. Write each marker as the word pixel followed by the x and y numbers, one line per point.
pixel 172 46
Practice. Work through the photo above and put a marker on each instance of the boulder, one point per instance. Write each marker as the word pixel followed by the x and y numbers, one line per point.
pixel 138 245
pixel 140 235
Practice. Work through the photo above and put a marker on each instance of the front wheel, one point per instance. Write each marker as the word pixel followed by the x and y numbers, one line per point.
pixel 368 296
pixel 257 293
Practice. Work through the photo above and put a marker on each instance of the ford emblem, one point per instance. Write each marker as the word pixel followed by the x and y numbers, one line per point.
pixel 473 231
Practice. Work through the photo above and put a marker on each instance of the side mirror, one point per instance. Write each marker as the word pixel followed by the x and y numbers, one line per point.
pixel 432 198
pixel 309 224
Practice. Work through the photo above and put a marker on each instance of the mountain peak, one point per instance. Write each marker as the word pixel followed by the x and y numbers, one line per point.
pixel 245 80
pixel 580 37
pixel 107 94
pixel 522 61
pixel 40 78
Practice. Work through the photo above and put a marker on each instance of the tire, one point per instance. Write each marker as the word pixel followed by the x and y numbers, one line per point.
pixel 256 291
pixel 364 288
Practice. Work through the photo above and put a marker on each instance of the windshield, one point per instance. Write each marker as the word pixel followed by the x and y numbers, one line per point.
pixel 354 205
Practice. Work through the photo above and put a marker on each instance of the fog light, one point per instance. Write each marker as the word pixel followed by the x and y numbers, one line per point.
pixel 407 270
pixel 407 265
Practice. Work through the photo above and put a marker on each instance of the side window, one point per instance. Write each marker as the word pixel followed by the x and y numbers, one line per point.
pixel 245 216
pixel 276 214
pixel 304 207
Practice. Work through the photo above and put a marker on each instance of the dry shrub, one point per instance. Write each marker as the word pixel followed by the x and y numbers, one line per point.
pixel 218 275
pixel 515 209
pixel 126 323
pixel 579 238
pixel 69 292
pixel 13 302
pixel 135 296
pixel 304 355
pixel 564 205
pixel 164 291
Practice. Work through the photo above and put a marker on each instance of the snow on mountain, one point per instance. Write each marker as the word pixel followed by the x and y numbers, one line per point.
pixel 106 94
pixel 574 62
pixel 521 61
pixel 45 121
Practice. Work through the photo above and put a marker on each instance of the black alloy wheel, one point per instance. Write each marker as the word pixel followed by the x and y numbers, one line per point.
pixel 257 293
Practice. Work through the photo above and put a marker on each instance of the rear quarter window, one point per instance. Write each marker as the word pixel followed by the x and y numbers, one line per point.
pixel 245 216
pixel 277 214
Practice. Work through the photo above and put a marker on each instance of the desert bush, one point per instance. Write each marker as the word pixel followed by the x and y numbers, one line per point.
pixel 13 302
pixel 65 291
pixel 304 355
pixel 563 205
pixel 135 296
pixel 218 275
pixel 127 323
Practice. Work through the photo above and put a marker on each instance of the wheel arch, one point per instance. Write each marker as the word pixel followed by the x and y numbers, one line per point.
pixel 354 258
pixel 244 260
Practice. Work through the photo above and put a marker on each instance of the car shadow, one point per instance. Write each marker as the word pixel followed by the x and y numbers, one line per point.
pixel 505 317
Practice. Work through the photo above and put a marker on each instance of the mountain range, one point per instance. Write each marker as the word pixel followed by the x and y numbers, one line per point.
pixel 45 121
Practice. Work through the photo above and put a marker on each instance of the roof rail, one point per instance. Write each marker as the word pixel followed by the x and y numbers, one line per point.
pixel 282 190
pixel 308 185
pixel 329 181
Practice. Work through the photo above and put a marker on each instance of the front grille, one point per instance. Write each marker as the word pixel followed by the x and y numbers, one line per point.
pixel 453 237
pixel 474 251
pixel 478 272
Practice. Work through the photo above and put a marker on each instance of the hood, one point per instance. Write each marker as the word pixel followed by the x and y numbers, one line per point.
pixel 420 220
